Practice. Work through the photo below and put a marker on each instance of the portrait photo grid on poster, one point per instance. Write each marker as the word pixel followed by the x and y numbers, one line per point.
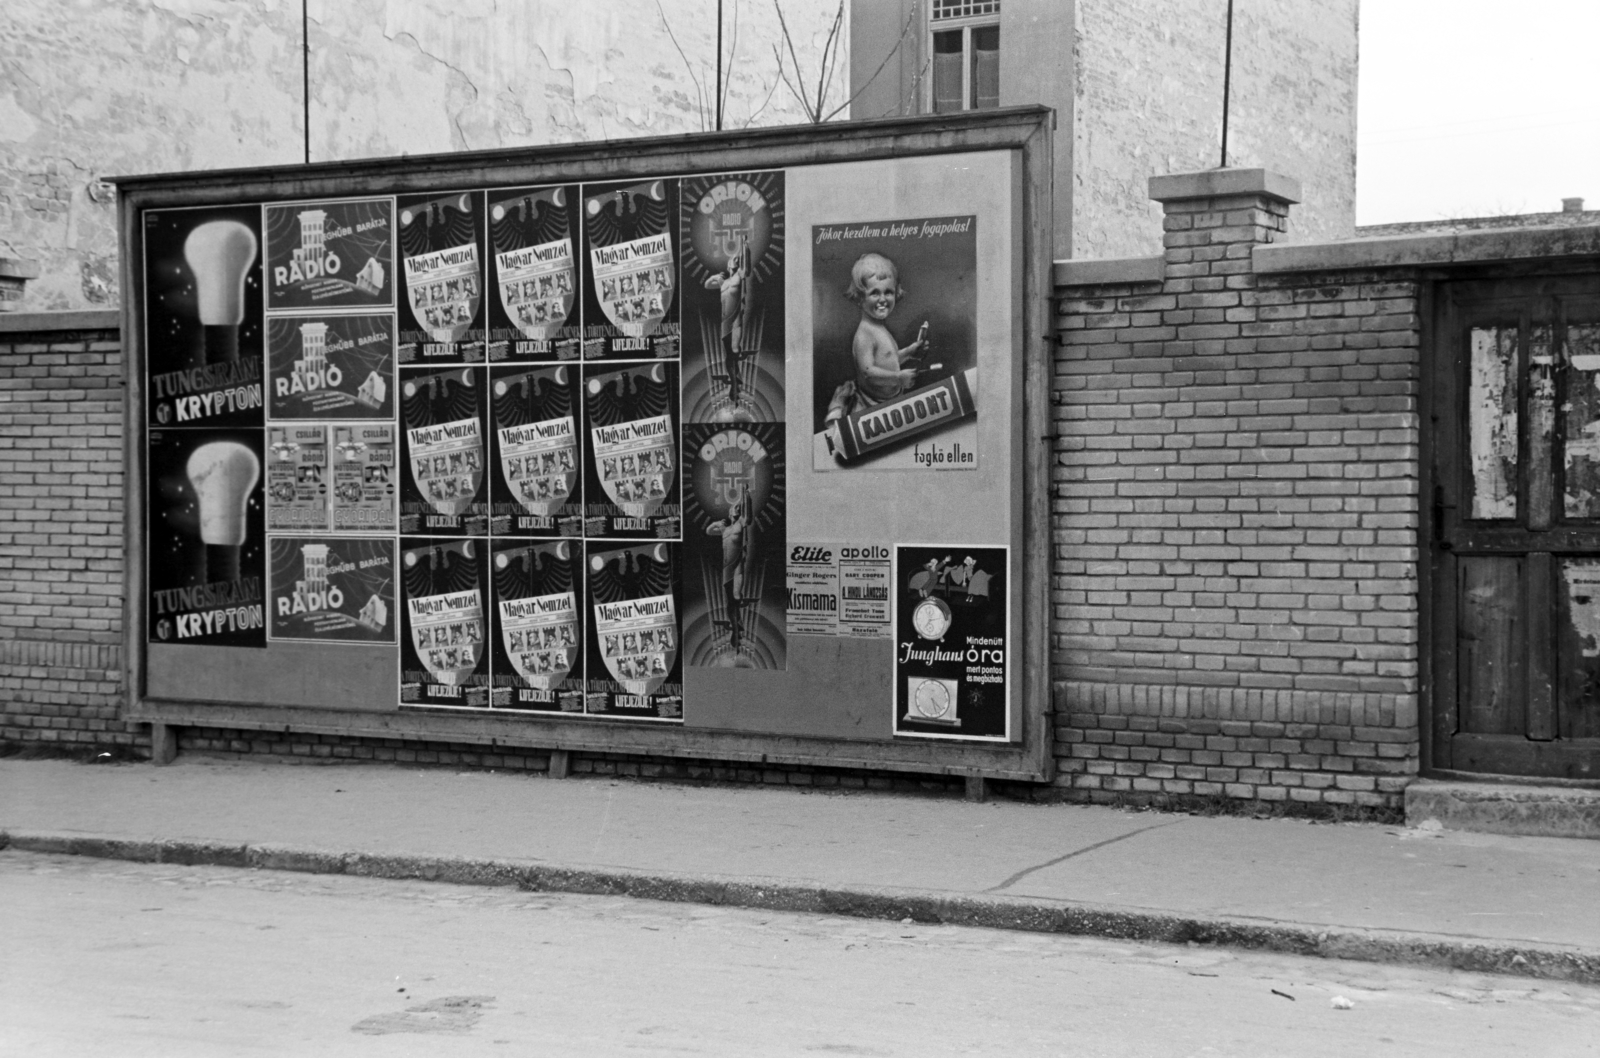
pixel 533 438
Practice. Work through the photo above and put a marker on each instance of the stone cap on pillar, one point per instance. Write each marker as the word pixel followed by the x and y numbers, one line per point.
pixel 1224 183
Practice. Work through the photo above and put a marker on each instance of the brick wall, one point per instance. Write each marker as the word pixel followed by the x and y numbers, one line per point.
pixel 61 539
pixel 1235 498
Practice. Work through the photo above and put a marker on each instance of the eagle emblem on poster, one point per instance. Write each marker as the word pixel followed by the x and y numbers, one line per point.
pixel 446 628
pixel 637 454
pixel 638 630
pixel 633 276
pixel 539 459
pixel 446 457
pixel 537 281
pixel 540 633
pixel 442 282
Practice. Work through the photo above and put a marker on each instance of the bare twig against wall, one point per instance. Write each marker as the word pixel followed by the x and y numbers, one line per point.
pixel 814 107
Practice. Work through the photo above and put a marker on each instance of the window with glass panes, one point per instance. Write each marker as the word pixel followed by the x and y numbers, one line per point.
pixel 965 71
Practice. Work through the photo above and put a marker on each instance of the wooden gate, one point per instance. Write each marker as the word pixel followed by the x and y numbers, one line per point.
pixel 1514 403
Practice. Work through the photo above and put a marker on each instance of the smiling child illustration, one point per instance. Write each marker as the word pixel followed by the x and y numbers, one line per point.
pixel 882 371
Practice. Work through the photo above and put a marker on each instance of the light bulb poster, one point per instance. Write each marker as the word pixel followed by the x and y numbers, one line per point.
pixel 206 565
pixel 536 625
pixel 442 252
pixel 330 367
pixel 297 476
pixel 631 478
pixel 203 312
pixel 732 234
pixel 894 344
pixel 735 594
pixel 334 254
pixel 630 268
pixel 534 241
pixel 364 470
pixel 331 589
pixel 536 451
pixel 444 655
pixel 444 490
pixel 634 667
pixel 952 642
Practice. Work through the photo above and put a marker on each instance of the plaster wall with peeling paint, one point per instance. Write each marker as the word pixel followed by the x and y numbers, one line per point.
pixel 1148 101
pixel 98 88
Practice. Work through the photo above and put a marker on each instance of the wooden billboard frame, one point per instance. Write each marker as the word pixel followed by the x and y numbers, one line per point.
pixel 1025 130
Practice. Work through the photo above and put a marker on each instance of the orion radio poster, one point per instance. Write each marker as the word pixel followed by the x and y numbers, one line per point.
pixel 442 257
pixel 331 254
pixel 894 354
pixel 735 598
pixel 203 315
pixel 733 300
pixel 630 302
pixel 206 563
pixel 536 451
pixel 330 367
pixel 533 303
pixel 952 642
pixel 364 496
pixel 634 666
pixel 444 658
pixel 331 589
pixel 536 626
pixel 445 491
pixel 631 478
pixel 297 477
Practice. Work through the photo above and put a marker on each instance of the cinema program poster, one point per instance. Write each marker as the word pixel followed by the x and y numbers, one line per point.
pixel 444 658
pixel 443 250
pixel 733 297
pixel 894 353
pixel 630 297
pixel 335 254
pixel 536 625
pixel 534 308
pixel 203 329
pixel 364 477
pixel 206 538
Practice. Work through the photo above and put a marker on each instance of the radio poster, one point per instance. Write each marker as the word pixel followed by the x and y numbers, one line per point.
pixel 203 315
pixel 951 642
pixel 735 604
pixel 364 478
pixel 631 479
pixel 331 254
pixel 332 589
pixel 630 307
pixel 444 659
pixel 894 353
pixel 536 452
pixel 330 367
pixel 444 490
pixel 533 305
pixel 297 477
pixel 733 300
pixel 840 590
pixel 536 626
pixel 634 668
pixel 207 559
pixel 442 251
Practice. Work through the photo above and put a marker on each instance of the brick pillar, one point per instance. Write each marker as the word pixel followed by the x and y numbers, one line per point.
pixel 1213 219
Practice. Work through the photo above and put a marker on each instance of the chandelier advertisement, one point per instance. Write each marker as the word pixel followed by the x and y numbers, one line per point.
pixel 575 449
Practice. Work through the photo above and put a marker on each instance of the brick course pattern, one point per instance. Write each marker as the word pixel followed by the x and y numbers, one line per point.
pixel 1234 531
pixel 61 512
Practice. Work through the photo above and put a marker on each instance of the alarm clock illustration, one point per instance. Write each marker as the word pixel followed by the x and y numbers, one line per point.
pixel 931 618
pixel 932 700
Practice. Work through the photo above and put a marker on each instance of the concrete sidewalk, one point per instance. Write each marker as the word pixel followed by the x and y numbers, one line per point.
pixel 1523 905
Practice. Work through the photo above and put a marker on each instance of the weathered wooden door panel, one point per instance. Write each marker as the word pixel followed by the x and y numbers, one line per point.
pixel 1515 409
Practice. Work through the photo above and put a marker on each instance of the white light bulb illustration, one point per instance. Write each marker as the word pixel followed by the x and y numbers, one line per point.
pixel 220 253
pixel 223 473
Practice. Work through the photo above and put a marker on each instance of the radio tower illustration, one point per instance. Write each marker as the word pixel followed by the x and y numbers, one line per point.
pixel 314 570
pixel 313 350
pixel 312 247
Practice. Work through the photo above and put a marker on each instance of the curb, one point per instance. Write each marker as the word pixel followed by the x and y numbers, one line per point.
pixel 1439 951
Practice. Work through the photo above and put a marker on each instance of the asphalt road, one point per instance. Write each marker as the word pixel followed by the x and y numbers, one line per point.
pixel 114 958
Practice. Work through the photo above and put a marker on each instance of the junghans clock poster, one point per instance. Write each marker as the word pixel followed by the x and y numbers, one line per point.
pixel 952 642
